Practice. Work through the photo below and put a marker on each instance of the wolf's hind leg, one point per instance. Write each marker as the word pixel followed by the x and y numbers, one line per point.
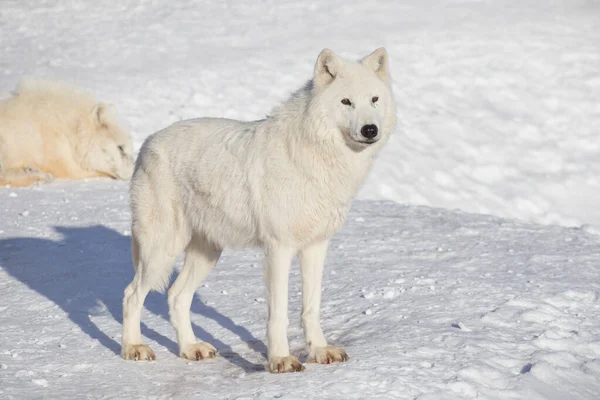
pixel 200 258
pixel 153 266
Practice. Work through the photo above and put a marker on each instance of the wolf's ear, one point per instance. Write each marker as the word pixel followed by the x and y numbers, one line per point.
pixel 103 113
pixel 327 67
pixel 379 62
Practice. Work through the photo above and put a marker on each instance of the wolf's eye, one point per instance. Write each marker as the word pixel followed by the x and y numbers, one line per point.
pixel 374 99
pixel 121 150
pixel 346 102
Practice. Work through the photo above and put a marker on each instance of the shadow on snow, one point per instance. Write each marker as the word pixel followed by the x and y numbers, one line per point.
pixel 92 265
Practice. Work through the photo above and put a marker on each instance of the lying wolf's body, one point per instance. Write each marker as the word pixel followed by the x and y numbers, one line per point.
pixel 54 130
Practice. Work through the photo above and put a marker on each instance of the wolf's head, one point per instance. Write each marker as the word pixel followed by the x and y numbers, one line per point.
pixel 355 97
pixel 104 146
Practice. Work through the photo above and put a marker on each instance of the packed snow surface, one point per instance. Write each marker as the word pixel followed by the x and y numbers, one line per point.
pixel 499 109
pixel 429 304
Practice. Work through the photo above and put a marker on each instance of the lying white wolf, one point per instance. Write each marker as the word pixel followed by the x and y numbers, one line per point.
pixel 53 130
pixel 283 183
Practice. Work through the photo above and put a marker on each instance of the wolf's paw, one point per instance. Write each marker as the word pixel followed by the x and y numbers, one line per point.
pixel 36 176
pixel 278 365
pixel 43 178
pixel 328 355
pixel 137 352
pixel 199 351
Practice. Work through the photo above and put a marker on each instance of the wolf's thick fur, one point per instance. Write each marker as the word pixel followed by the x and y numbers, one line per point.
pixel 54 130
pixel 283 183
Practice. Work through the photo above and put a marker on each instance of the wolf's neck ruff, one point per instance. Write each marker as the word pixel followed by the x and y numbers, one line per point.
pixel 335 169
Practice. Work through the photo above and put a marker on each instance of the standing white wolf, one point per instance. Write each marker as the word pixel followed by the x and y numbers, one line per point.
pixel 284 183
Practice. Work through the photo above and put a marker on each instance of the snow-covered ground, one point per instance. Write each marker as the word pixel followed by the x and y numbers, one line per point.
pixel 499 113
pixel 429 304
pixel 499 100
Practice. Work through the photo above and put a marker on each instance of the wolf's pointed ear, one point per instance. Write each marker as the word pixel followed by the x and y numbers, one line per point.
pixel 327 67
pixel 103 113
pixel 379 62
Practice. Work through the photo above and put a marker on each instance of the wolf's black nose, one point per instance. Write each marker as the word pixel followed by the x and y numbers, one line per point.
pixel 369 131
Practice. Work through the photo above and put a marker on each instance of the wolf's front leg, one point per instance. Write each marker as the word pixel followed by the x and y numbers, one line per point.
pixel 24 177
pixel 277 268
pixel 312 260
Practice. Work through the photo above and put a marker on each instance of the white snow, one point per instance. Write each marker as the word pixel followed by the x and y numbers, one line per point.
pixel 506 310
pixel 499 109
pixel 499 100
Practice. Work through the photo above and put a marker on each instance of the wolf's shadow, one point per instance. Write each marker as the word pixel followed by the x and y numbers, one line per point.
pixel 92 265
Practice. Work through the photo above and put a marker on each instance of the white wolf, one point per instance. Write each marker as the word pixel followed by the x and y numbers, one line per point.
pixel 55 130
pixel 284 183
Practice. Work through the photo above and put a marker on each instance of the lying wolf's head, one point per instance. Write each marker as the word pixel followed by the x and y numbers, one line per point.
pixel 105 147
pixel 356 97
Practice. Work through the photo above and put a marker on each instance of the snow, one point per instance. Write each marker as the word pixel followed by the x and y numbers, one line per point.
pixel 499 100
pixel 428 303
pixel 469 268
